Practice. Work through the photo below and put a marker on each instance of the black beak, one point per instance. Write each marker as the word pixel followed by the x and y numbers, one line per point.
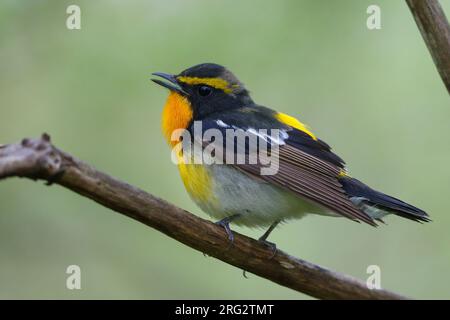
pixel 171 85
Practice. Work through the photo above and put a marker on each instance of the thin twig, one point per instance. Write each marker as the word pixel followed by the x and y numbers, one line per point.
pixel 39 159
pixel 435 30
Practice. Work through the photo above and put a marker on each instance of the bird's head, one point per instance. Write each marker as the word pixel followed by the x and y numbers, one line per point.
pixel 198 92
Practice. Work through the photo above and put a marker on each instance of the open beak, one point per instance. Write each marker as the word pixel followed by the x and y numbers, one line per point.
pixel 172 85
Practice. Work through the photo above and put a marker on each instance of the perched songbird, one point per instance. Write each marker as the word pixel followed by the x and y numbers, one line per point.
pixel 310 179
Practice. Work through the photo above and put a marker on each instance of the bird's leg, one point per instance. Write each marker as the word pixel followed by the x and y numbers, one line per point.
pixel 263 238
pixel 225 223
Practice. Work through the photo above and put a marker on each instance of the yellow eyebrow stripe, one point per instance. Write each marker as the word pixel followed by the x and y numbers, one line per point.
pixel 217 83
pixel 293 122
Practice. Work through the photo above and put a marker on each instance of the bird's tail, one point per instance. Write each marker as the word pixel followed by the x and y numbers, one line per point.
pixel 377 204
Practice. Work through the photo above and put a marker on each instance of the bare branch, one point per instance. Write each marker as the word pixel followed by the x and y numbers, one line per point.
pixel 433 25
pixel 39 159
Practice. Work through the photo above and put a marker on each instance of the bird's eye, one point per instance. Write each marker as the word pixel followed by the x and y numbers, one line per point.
pixel 204 91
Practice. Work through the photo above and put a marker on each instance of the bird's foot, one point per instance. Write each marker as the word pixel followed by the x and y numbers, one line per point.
pixel 225 223
pixel 269 244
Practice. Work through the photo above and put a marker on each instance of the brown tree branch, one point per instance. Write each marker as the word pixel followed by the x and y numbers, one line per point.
pixel 39 159
pixel 435 30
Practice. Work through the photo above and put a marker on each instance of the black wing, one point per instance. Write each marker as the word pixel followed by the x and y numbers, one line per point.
pixel 307 166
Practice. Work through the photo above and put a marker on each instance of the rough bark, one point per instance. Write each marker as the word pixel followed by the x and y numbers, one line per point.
pixel 435 30
pixel 39 159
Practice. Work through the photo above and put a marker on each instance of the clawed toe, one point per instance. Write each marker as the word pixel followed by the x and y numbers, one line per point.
pixel 226 226
pixel 269 244
pixel 225 223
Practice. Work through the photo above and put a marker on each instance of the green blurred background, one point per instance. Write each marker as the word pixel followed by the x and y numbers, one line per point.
pixel 375 96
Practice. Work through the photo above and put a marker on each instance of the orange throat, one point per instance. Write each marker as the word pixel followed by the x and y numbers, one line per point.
pixel 177 114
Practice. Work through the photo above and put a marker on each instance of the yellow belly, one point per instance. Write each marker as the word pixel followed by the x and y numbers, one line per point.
pixel 222 191
pixel 197 182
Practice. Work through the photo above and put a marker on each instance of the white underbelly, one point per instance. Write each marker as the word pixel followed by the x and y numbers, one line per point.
pixel 258 203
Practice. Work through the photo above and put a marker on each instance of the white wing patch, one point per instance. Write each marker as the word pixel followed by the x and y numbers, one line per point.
pixel 261 133
pixel 222 124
